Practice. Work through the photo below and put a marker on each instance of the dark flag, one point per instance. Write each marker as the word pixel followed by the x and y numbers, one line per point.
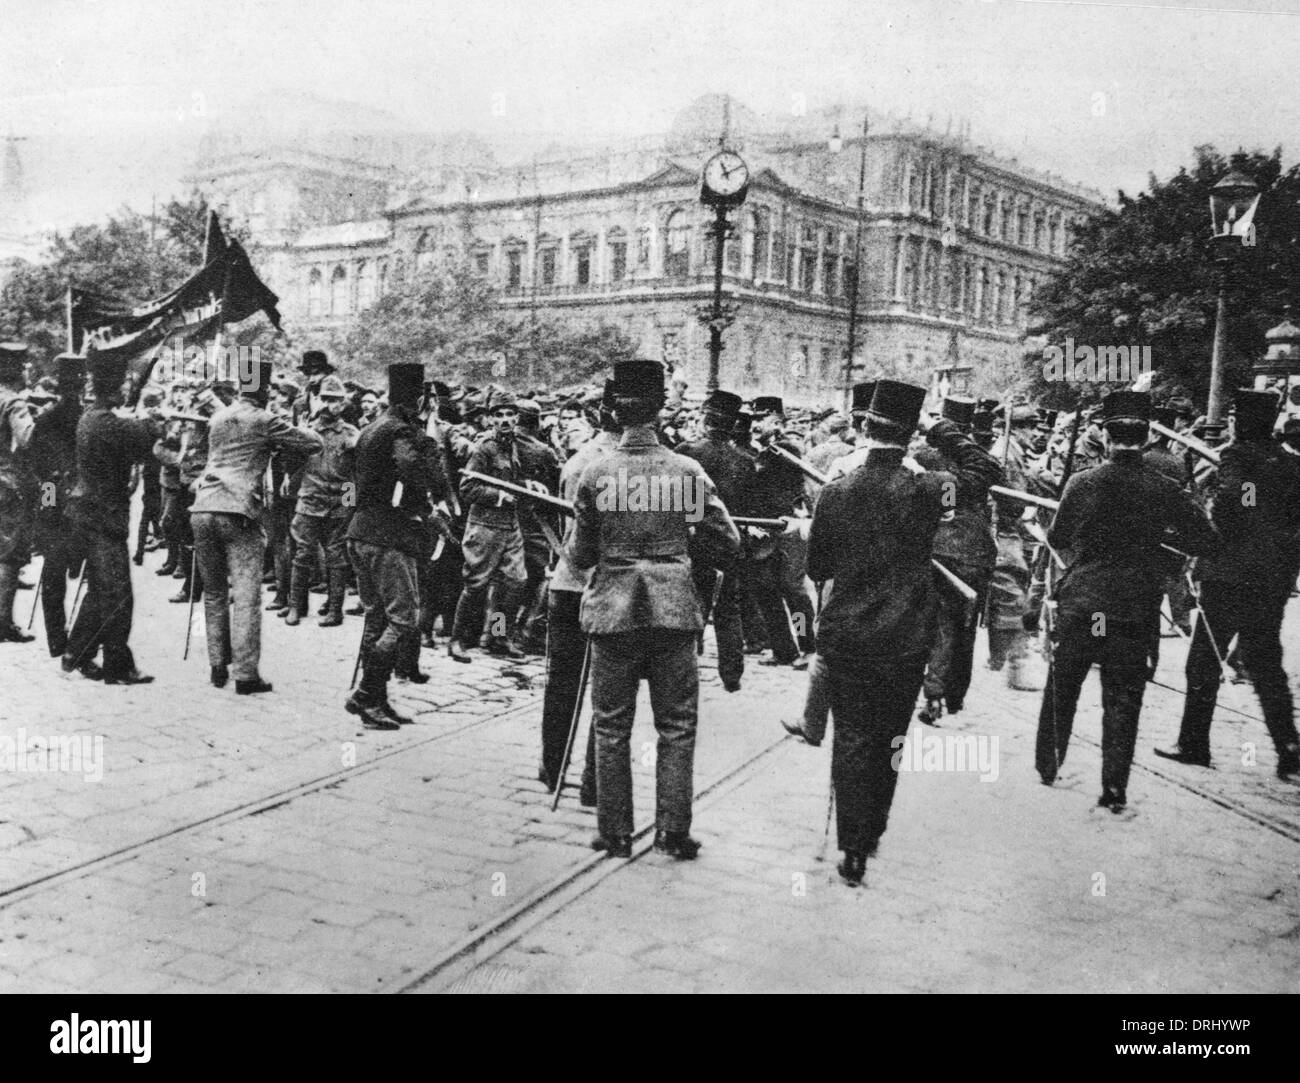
pixel 226 290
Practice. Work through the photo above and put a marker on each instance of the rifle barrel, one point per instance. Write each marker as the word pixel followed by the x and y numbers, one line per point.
pixel 1190 442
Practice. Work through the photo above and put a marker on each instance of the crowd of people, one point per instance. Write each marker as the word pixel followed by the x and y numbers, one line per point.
pixel 865 546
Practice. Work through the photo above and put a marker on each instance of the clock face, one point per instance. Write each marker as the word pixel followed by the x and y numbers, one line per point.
pixel 726 173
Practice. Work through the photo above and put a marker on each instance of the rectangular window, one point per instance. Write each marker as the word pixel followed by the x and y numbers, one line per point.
pixel 481 263
pixel 548 267
pixel 514 268
pixel 808 270
pixel 583 258
pixel 617 261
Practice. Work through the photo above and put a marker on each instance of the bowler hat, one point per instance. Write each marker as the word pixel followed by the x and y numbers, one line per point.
pixel 724 405
pixel 958 409
pixel 637 378
pixel 405 382
pixel 314 363
pixel 767 404
pixel 1254 414
pixel 896 403
pixel 1131 406
pixel 862 396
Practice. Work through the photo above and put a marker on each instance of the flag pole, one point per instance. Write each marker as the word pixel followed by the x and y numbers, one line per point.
pixel 72 345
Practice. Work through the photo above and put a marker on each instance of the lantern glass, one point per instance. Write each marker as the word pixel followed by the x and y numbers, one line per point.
pixel 1230 199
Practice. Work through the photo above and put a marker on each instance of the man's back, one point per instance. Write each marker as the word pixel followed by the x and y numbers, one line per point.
pixel 1112 521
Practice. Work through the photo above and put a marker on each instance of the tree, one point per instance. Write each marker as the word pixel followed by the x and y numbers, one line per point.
pixel 1144 274
pixel 450 319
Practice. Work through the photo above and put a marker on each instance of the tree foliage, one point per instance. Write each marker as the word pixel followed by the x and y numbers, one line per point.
pixel 1145 274
pixel 451 320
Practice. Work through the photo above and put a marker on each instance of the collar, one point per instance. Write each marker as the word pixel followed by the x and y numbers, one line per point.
pixel 1126 456
pixel 886 454
pixel 639 436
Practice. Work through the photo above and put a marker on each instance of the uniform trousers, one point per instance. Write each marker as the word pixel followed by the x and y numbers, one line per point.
pixel 1254 614
pixel 726 617
pixel 566 643
pixel 872 703
pixel 948 673
pixel 388 585
pixel 104 619
pixel 1120 648
pixel 666 661
pixel 64 551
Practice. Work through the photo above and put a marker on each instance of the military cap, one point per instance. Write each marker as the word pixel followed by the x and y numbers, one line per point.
pixel 528 407
pixel 960 410
pixel 767 404
pixel 332 388
pixel 861 397
pixel 896 403
pixel 1121 406
pixel 405 382
pixel 1254 413
pixel 639 377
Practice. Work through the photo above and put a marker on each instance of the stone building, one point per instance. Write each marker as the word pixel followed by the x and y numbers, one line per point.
pixel 955 241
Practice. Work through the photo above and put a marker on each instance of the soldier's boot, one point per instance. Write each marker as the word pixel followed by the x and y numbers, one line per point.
pixel 470 602
pixel 297 598
pixel 1024 667
pixel 169 565
pixel 9 631
pixel 407 667
pixel 338 586
pixel 371 695
pixel 501 627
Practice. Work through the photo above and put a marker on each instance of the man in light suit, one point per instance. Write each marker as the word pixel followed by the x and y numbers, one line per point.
pixel 229 543
pixel 641 608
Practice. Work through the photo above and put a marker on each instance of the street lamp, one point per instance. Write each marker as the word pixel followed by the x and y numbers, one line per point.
pixel 1232 212
pixel 836 144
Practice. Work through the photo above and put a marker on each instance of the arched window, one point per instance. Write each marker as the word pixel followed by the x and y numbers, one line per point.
pixel 339 292
pixel 677 257
pixel 315 292
pixel 366 284
pixel 425 251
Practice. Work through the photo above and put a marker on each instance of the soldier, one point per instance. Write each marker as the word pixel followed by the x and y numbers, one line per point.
pixel 325 497
pixel 285 476
pixel 229 541
pixel 150 523
pixel 732 472
pixel 1112 521
pixel 873 534
pixel 108 448
pixel 1160 454
pixel 387 537
pixel 777 563
pixel 493 544
pixel 314 366
pixel 16 428
pixel 641 609
pixel 1245 587
pixel 965 544
pixel 538 463
pixel 53 457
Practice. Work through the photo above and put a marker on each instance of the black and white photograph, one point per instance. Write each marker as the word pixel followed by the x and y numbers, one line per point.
pixel 569 497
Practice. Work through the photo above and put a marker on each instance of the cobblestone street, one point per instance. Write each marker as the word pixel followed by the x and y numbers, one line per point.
pixel 269 843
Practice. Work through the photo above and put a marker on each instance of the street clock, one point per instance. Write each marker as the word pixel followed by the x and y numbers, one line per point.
pixel 724 181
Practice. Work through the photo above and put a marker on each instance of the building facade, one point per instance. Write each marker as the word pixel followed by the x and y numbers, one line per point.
pixel 954 243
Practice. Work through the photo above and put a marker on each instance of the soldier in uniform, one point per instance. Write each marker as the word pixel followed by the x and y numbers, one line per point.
pixel 873 534
pixel 388 536
pixel 777 563
pixel 1112 522
pixel 53 456
pixel 539 464
pixel 493 544
pixel 108 448
pixel 641 608
pixel 1244 589
pixel 16 428
pixel 732 472
pixel 325 496
pixel 966 546
pixel 229 542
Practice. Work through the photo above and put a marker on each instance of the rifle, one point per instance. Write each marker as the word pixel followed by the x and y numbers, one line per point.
pixel 1190 442
pixel 962 587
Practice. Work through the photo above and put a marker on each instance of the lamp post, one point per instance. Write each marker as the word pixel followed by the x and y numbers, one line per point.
pixel 1232 212
pixel 836 144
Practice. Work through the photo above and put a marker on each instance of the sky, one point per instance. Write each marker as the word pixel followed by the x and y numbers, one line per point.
pixel 113 95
